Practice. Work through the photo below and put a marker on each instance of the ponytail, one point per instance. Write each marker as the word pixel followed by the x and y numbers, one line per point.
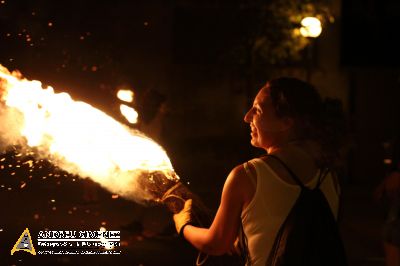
pixel 315 119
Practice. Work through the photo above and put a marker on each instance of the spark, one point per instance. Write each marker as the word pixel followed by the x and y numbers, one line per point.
pixel 83 140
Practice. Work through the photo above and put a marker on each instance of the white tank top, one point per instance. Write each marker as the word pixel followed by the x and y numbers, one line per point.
pixel 271 204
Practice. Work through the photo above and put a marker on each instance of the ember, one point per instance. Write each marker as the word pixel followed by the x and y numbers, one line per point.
pixel 84 141
pixel 80 139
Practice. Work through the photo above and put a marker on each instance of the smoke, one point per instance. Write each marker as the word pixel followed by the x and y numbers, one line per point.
pixel 10 121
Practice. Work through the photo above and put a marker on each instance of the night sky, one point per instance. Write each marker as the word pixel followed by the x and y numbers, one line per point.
pixel 370 33
pixel 87 48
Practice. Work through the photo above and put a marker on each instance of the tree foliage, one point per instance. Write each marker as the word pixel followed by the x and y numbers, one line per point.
pixel 273 31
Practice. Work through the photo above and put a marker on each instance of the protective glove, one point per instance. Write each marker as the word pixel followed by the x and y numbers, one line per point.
pixel 184 217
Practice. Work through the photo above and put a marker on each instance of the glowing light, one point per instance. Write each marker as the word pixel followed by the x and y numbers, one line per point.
pixel 311 27
pixel 387 161
pixel 79 138
pixel 125 95
pixel 129 113
pixel 107 244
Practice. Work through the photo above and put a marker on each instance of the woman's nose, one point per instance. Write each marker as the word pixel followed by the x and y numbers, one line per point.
pixel 247 117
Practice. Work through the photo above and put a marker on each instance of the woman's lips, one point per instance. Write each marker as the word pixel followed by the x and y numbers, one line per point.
pixel 253 130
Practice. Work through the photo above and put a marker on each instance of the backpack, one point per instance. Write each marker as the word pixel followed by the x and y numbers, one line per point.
pixel 309 235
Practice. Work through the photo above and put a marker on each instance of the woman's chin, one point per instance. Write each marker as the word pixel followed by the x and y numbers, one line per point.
pixel 254 143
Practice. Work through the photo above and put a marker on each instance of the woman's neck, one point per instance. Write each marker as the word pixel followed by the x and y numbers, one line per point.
pixel 305 144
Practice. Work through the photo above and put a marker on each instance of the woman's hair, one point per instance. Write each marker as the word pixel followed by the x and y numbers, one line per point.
pixel 314 119
pixel 150 104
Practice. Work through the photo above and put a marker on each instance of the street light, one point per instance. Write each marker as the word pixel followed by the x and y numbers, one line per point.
pixel 310 28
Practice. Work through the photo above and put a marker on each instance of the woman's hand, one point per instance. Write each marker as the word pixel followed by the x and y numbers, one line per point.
pixel 184 217
pixel 220 237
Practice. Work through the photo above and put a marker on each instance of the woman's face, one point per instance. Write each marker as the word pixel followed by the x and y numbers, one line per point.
pixel 267 129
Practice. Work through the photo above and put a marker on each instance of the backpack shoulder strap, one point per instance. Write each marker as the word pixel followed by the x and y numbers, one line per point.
pixel 250 174
pixel 322 175
pixel 293 175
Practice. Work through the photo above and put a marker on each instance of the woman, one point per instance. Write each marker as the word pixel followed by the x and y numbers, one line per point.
pixel 287 121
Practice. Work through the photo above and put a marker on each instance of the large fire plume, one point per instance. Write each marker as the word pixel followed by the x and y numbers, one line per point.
pixel 81 139
pixel 85 141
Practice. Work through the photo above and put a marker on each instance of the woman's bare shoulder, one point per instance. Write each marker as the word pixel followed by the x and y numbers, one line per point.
pixel 240 183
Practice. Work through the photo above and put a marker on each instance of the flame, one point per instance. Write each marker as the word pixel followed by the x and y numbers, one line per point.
pixel 129 113
pixel 79 138
pixel 125 95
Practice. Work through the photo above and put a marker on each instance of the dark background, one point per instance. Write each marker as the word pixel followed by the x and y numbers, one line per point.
pixel 369 36
pixel 193 54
